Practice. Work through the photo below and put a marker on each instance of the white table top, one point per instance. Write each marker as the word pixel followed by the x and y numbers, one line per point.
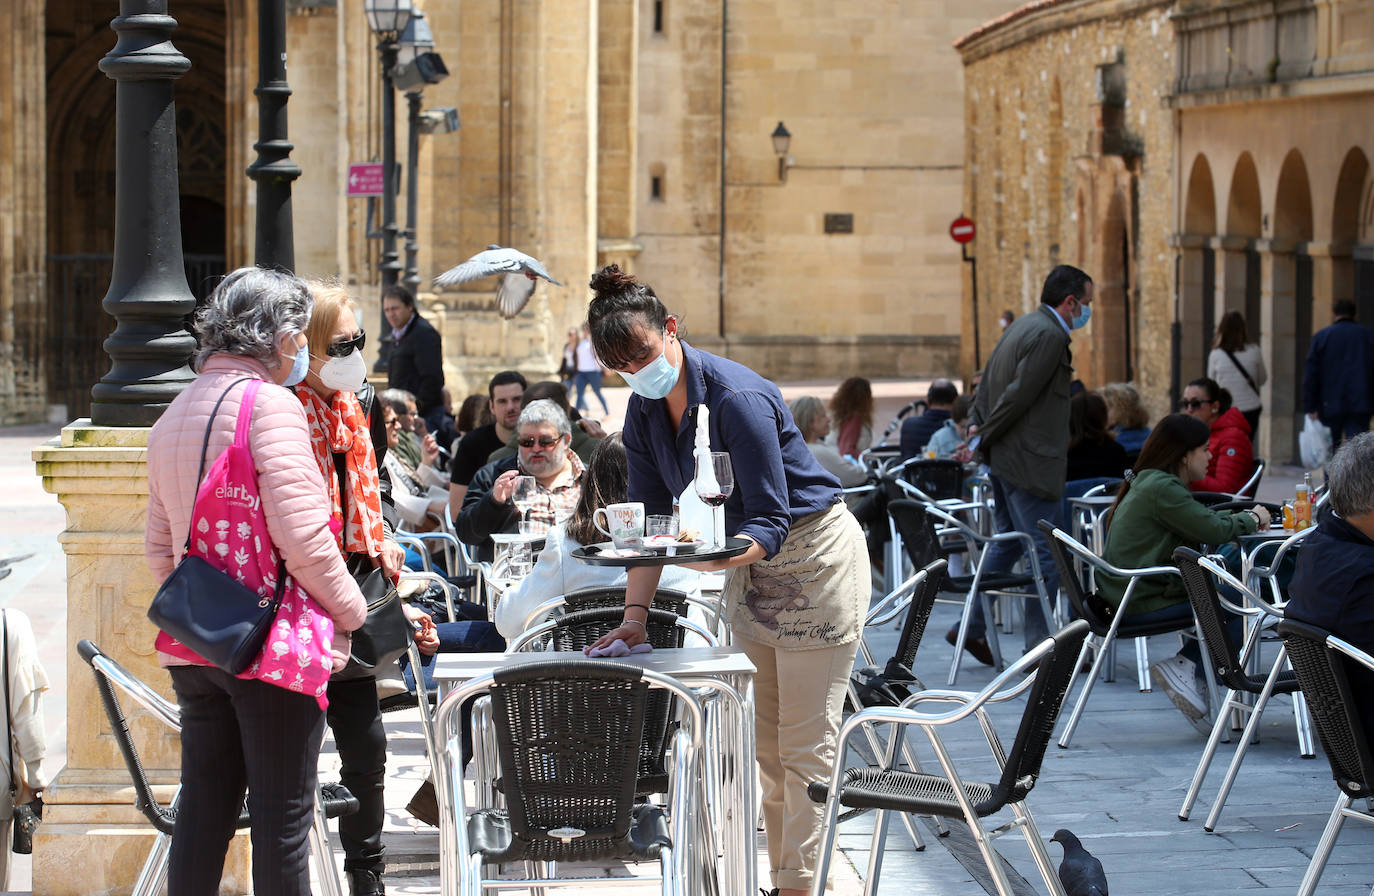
pixel 685 662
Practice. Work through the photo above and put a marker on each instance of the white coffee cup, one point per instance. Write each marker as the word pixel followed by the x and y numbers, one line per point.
pixel 624 524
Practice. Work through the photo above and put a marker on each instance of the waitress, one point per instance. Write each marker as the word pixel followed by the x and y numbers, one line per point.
pixel 796 598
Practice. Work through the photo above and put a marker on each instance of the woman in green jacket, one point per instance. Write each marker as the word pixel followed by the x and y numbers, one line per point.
pixel 1153 514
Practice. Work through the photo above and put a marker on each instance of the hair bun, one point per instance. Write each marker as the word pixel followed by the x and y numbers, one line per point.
pixel 611 280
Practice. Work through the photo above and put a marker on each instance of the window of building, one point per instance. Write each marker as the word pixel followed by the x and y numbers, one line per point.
pixel 658 16
pixel 656 182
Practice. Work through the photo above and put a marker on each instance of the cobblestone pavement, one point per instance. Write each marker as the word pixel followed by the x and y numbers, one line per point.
pixel 1118 787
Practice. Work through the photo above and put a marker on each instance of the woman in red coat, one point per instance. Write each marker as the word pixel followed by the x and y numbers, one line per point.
pixel 1233 458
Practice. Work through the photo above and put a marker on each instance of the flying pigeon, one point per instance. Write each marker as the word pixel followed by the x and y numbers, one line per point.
pixel 516 286
pixel 1080 872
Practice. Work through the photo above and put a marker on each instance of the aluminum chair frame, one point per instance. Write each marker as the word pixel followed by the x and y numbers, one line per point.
pixel 1064 547
pixel 152 877
pixel 1251 485
pixel 710 608
pixel 1015 680
pixel 1339 727
pixel 684 865
pixel 1231 665
pixel 977 544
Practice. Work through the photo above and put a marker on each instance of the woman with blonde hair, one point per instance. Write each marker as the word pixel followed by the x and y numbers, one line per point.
pixel 1127 419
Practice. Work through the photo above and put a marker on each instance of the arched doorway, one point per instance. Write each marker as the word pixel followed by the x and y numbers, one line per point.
pixel 1113 342
pixel 1289 300
pixel 1353 276
pixel 81 178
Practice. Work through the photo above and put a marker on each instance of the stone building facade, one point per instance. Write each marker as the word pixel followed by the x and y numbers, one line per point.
pixel 634 131
pixel 1194 156
pixel 1069 152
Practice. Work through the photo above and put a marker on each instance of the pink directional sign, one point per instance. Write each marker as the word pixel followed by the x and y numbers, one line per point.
pixel 365 179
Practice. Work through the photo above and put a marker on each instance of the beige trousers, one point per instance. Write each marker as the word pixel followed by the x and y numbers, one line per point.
pixel 798 695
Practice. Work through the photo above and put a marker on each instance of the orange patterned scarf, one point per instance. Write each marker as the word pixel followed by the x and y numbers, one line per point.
pixel 341 426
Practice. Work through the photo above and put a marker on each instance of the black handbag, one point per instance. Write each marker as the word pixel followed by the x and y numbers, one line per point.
pixel 209 611
pixel 386 633
pixel 26 815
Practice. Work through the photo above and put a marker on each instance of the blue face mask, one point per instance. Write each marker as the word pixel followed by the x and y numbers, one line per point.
pixel 655 379
pixel 1085 312
pixel 299 367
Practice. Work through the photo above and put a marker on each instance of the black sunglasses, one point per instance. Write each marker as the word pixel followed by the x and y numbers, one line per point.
pixel 345 348
pixel 544 441
pixel 1193 404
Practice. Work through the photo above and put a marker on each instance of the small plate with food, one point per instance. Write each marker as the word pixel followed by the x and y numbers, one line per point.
pixel 685 542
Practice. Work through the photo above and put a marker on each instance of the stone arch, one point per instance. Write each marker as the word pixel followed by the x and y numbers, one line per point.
pixel 1243 206
pixel 1113 343
pixel 1200 204
pixel 1350 193
pixel 1293 201
pixel 80 186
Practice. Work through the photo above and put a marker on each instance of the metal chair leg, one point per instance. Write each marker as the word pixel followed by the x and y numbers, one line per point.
pixel 1038 852
pixel 1204 763
pixel 875 851
pixel 325 869
pixel 1303 722
pixel 1324 845
pixel 153 877
pixel 1089 643
pixel 1250 734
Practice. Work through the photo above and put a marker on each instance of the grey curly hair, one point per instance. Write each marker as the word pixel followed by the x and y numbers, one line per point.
pixel 248 312
pixel 545 410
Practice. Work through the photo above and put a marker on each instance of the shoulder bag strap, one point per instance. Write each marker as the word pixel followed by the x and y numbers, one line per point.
pixel 205 446
pixel 1243 371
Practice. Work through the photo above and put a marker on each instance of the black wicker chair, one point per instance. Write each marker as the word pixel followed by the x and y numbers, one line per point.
pixel 927 479
pixel 1107 623
pixel 565 733
pixel 1325 665
pixel 916 521
pixel 887 788
pixel 1230 664
pixel 332 801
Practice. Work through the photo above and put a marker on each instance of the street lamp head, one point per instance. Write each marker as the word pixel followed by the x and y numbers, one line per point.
pixel 417 38
pixel 427 68
pixel 782 139
pixel 388 17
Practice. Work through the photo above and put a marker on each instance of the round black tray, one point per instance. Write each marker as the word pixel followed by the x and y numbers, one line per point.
pixel 592 555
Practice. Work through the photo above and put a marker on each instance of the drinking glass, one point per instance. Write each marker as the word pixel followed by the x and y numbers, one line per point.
pixel 525 494
pixel 714 486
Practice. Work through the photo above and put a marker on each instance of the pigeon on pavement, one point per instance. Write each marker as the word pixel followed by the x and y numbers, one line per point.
pixel 1080 872
pixel 517 284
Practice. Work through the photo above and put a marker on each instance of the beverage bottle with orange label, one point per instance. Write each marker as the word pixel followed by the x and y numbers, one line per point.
pixel 1302 508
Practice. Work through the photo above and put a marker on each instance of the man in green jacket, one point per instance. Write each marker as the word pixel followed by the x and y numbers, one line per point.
pixel 1021 418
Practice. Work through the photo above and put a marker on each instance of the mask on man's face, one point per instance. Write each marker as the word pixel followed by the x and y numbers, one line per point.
pixel 1080 320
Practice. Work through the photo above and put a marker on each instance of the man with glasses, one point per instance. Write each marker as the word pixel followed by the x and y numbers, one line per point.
pixel 543 434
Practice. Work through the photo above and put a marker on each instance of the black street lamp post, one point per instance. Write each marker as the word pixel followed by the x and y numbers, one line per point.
pixel 387 19
pixel 273 170
pixel 412 269
pixel 148 295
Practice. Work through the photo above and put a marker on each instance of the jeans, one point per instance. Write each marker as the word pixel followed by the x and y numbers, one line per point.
pixel 1345 426
pixel 591 378
pixel 237 735
pixel 356 720
pixel 1017 510
pixel 468 636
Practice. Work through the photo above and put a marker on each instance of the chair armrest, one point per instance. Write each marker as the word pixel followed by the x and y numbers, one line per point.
pixel 891 604
pixel 1351 651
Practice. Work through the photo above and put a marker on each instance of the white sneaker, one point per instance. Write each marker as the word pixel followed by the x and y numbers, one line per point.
pixel 1177 676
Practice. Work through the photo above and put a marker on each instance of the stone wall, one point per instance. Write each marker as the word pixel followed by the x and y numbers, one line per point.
pixel 1070 159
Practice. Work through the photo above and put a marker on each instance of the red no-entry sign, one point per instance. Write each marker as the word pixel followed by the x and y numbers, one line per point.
pixel 962 230
pixel 365 179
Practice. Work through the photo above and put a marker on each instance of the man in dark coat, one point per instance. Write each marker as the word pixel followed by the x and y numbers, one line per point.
pixel 1333 585
pixel 1338 378
pixel 1021 414
pixel 417 354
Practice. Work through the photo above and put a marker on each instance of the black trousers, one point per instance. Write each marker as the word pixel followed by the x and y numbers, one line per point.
pixel 236 736
pixel 356 720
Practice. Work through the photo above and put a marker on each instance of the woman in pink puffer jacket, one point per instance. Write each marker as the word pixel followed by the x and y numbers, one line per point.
pixel 241 734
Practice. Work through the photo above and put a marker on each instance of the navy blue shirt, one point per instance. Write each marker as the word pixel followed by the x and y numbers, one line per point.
pixel 916 431
pixel 777 479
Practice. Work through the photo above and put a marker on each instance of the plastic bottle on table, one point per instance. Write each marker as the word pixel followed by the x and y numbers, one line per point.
pixel 1302 508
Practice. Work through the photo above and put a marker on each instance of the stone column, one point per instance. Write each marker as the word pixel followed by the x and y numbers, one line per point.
pixel 1230 260
pixel 1192 350
pixel 92 839
pixel 1278 335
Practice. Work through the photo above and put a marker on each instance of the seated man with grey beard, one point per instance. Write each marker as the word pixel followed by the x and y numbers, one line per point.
pixel 543 436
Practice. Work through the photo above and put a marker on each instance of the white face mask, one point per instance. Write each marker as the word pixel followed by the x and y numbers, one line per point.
pixel 346 374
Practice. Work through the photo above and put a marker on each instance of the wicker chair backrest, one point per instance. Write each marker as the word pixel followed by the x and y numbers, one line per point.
pixel 938 479
pixel 1053 675
pixel 1325 682
pixel 919 540
pixel 918 614
pixel 614 596
pixel 1202 594
pixel 566 735
pixel 1086 605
